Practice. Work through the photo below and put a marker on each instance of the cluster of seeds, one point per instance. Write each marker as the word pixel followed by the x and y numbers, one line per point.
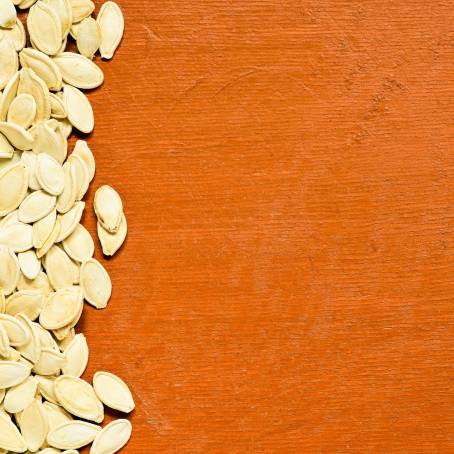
pixel 47 269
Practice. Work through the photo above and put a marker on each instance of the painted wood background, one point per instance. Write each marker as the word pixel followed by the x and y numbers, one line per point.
pixel 287 171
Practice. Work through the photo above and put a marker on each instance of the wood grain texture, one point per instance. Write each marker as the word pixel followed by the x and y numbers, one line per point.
pixel 288 179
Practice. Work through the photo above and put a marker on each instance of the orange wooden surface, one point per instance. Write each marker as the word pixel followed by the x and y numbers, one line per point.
pixel 287 170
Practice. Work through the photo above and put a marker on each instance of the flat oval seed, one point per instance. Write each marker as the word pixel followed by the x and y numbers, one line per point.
pixel 46 388
pixel 112 437
pixel 95 283
pixel 18 237
pixel 82 176
pixel 67 198
pixel 21 396
pixel 49 174
pixel 12 373
pixel 9 62
pixel 108 208
pixel 50 240
pixel 29 264
pixel 113 392
pixel 43 228
pixel 16 135
pixel 49 141
pixel 29 159
pixel 32 349
pixel 64 12
pixel 82 150
pixel 45 28
pixel 16 35
pixel 79 245
pixel 9 94
pixel 88 37
pixel 10 437
pixel 22 110
pixel 28 302
pixel 43 66
pixel 76 356
pixel 9 270
pixel 36 206
pixel 80 112
pixel 57 107
pixel 17 333
pixel 50 362
pixel 79 71
pixel 111 23
pixel 59 268
pixel 33 425
pixel 70 220
pixel 30 83
pixel 60 308
pixel 72 435
pixel 8 14
pixel 78 398
pixel 13 187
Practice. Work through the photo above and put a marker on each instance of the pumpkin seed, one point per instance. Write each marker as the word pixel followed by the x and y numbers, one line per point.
pixel 79 71
pixel 22 110
pixel 108 208
pixel 88 37
pixel 16 35
pixel 72 435
pixel 111 23
pixel 10 437
pixel 49 174
pixel 27 302
pixel 81 9
pixel 19 397
pixel 111 242
pixel 79 245
pixel 33 425
pixel 8 14
pixel 29 264
pixel 112 437
pixel 113 392
pixel 80 112
pixel 12 373
pixel 95 283
pixel 36 206
pixel 76 356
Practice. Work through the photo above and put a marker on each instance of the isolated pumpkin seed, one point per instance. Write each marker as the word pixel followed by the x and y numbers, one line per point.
pixel 12 373
pixel 88 37
pixel 27 302
pixel 112 437
pixel 49 174
pixel 80 112
pixel 59 268
pixel 9 270
pixel 8 14
pixel 43 66
pixel 113 392
pixel 79 245
pixel 22 110
pixel 108 208
pixel 95 283
pixel 76 356
pixel 45 28
pixel 81 9
pixel 36 206
pixel 111 23
pixel 10 437
pixel 79 71
pixel 72 435
pixel 111 242
pixel 19 397
pixel 33 425
pixel 18 237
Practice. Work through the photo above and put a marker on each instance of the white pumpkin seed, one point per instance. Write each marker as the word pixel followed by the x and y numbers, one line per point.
pixel 80 112
pixel 88 37
pixel 22 110
pixel 108 208
pixel 41 283
pixel 16 35
pixel 29 264
pixel 111 23
pixel 113 392
pixel 49 174
pixel 60 308
pixel 36 206
pixel 30 83
pixel 64 12
pixel 8 14
pixel 72 435
pixel 59 268
pixel 18 237
pixel 19 397
pixel 33 425
pixel 79 245
pixel 81 9
pixel 67 198
pixel 12 373
pixel 18 333
pixel 70 220
pixel 57 107
pixel 112 437
pixel 95 283
pixel 79 71
pixel 27 302
pixel 50 362
pixel 9 270
pixel 76 356
pixel 111 242
pixel 17 136
pixel 82 179
pixel 9 94
pixel 10 437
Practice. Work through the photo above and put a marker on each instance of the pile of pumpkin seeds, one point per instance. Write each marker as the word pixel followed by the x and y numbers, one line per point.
pixel 47 269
